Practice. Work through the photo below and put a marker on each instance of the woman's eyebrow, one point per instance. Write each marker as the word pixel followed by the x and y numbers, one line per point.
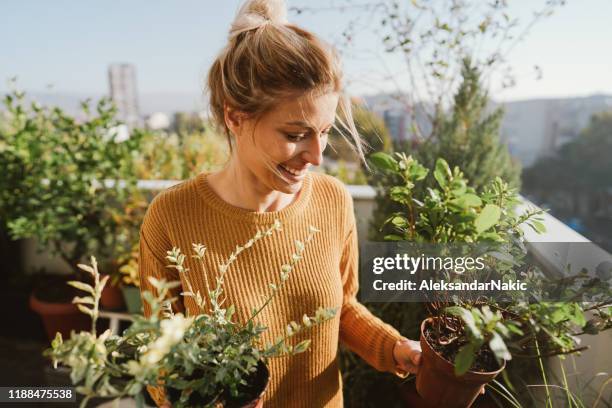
pixel 299 123
pixel 303 124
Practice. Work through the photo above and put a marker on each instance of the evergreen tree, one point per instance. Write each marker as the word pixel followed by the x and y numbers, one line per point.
pixel 469 136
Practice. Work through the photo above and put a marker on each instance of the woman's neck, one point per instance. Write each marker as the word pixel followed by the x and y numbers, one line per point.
pixel 239 187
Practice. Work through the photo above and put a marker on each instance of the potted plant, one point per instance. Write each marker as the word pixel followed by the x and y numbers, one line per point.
pixel 205 359
pixel 73 179
pixel 466 341
pixel 130 283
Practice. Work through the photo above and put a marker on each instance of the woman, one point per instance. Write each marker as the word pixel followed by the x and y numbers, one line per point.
pixel 275 90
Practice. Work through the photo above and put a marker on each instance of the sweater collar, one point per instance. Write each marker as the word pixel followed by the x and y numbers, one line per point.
pixel 212 199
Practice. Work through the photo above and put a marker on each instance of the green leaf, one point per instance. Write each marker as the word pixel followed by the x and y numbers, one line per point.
pixel 57 341
pixel 383 161
pixel 87 268
pixel 417 171
pixel 464 359
pixel 301 346
pixel 442 172
pixel 85 310
pixel 400 194
pixel 86 300
pixel 514 329
pixel 82 286
pixel 230 312
pixel 488 217
pixel 393 237
pixel 102 283
pixel 458 187
pixel 466 201
pixel 467 318
pixel 560 314
pixel 148 297
pixel 576 315
pixel 538 227
pixel 399 222
pixel 498 347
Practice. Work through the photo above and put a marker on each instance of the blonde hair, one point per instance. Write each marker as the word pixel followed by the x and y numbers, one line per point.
pixel 267 59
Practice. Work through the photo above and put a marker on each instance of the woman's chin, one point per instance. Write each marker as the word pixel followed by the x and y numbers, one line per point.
pixel 290 187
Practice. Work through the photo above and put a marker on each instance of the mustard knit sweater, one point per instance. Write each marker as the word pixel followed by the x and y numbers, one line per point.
pixel 327 275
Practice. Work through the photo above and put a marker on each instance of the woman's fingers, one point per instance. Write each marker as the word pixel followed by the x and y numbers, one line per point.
pixel 407 354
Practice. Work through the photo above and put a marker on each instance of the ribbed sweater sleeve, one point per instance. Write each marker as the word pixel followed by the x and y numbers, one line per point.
pixel 153 244
pixel 361 331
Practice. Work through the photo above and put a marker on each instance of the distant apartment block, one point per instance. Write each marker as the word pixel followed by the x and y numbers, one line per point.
pixel 538 127
pixel 401 119
pixel 123 91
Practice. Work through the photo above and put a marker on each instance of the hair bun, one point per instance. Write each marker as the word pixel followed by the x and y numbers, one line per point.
pixel 256 13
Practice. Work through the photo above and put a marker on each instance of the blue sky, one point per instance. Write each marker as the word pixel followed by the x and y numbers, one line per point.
pixel 70 43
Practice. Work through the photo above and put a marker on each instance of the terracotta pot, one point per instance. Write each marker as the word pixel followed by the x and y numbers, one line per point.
pixel 437 383
pixel 60 317
pixel 112 297
pixel 131 295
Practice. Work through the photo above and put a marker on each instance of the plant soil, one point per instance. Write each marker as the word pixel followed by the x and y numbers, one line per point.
pixel 194 400
pixel 256 384
pixel 484 360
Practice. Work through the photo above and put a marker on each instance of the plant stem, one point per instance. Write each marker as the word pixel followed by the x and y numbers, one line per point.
pixel 569 399
pixel 548 399
pixel 504 392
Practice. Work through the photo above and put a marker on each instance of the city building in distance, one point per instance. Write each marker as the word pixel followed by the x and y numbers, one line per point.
pixel 123 92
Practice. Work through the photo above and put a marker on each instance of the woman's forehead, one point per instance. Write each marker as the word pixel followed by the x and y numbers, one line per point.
pixel 308 111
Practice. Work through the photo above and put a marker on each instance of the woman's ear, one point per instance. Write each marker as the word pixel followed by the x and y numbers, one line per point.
pixel 233 119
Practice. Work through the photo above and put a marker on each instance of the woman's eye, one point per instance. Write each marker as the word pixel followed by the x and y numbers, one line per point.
pixel 294 138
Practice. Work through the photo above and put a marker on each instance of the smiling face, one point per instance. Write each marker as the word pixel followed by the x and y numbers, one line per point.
pixel 279 147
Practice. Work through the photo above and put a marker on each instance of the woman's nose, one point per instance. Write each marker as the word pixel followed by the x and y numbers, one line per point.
pixel 314 150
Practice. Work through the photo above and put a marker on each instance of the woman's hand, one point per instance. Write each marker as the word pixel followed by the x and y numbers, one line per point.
pixel 407 355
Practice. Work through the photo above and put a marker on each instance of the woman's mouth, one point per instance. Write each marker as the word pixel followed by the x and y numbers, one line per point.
pixel 292 174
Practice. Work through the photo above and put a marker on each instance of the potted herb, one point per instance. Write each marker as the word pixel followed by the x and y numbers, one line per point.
pixel 206 359
pixel 467 341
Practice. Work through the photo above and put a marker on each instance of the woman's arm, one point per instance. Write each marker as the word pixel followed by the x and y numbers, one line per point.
pixel 154 243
